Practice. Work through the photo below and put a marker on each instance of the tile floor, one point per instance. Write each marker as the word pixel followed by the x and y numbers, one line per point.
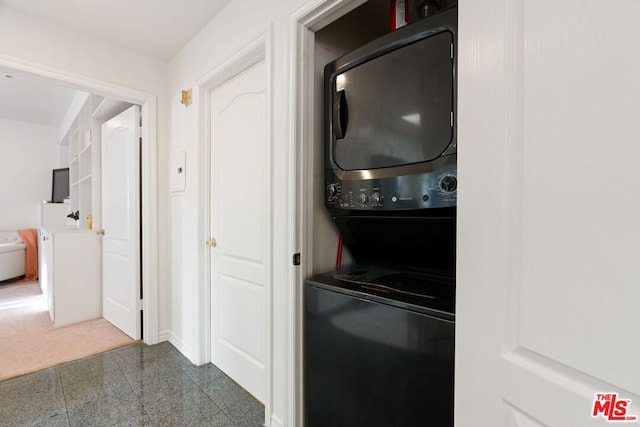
pixel 137 385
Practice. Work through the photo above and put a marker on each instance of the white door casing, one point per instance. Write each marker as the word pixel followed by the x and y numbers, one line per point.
pixel 547 243
pixel 240 221
pixel 121 221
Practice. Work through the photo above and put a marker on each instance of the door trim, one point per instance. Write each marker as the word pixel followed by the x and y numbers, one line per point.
pixel 149 157
pixel 257 50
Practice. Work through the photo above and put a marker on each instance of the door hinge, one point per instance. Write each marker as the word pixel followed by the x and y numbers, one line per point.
pixel 140 304
pixel 296 258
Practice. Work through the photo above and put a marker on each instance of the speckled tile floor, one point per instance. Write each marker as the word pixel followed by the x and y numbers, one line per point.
pixel 137 385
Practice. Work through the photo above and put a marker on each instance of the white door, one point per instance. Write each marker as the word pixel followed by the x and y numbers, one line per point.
pixel 240 212
pixel 548 284
pixel 121 221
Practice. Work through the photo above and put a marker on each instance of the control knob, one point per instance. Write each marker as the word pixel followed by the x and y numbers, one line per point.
pixel 363 199
pixel 332 190
pixel 448 183
pixel 375 198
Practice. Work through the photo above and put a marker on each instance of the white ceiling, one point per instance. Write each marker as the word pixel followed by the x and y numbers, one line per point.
pixel 29 99
pixel 157 28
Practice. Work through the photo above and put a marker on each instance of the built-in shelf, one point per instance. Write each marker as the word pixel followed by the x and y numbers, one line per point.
pixel 109 108
pixel 84 150
pixel 81 180
pixel 84 138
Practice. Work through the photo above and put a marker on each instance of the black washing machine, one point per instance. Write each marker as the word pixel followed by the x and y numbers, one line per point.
pixel 379 348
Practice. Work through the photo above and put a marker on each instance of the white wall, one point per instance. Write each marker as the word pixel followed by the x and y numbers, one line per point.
pixel 33 39
pixel 29 153
pixel 240 23
pixel 53 49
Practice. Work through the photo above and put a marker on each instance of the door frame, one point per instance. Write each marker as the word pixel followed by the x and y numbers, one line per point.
pixel 257 50
pixel 148 175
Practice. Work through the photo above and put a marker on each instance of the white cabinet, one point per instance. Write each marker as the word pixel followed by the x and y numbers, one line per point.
pixel 53 215
pixel 71 276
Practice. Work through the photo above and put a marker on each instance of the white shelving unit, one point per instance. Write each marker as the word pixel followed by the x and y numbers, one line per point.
pixel 84 142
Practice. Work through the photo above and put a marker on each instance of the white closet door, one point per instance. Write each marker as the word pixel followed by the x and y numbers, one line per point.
pixel 240 212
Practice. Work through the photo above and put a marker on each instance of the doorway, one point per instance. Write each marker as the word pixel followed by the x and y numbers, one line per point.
pixel 148 182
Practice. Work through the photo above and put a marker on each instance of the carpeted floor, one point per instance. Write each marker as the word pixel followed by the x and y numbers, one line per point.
pixel 29 342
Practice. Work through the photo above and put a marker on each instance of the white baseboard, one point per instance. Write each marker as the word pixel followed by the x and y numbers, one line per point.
pixel 177 343
pixel 164 336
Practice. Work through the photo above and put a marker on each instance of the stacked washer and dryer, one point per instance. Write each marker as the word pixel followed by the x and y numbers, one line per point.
pixel 379 334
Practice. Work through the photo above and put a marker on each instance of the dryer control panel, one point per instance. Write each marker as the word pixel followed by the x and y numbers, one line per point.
pixel 437 189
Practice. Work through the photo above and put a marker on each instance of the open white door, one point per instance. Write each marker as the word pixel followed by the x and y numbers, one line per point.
pixel 121 221
pixel 240 210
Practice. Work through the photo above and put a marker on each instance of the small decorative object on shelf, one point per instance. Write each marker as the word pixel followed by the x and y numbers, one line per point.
pixel 399 14
pixel 75 217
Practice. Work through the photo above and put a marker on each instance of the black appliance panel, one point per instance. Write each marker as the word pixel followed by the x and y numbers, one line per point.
pixel 372 364
pixel 395 109
pixel 434 189
pixel 430 293
pixel 420 243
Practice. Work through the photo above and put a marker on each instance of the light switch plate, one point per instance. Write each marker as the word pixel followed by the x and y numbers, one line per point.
pixel 178 179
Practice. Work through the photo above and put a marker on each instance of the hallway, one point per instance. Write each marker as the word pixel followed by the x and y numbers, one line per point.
pixel 137 385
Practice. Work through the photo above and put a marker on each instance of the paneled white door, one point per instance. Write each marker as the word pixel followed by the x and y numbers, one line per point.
pixel 548 284
pixel 121 221
pixel 240 223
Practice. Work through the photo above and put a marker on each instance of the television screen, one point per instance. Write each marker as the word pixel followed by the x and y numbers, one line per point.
pixel 60 187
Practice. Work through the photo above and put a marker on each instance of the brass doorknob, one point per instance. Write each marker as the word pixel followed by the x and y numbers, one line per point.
pixel 212 242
